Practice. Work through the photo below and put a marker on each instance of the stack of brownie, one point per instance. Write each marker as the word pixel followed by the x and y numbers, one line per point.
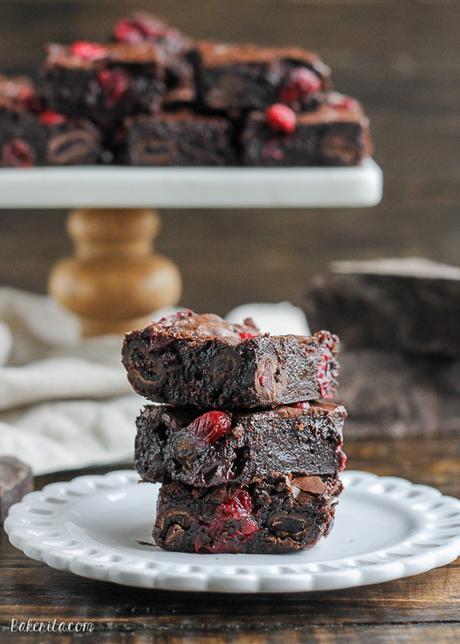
pixel 153 97
pixel 245 442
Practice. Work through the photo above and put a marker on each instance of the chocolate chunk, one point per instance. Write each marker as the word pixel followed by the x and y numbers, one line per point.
pixel 310 484
pixel 16 480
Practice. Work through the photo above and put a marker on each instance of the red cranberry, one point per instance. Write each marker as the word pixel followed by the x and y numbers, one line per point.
pixel 128 31
pixel 281 118
pixel 136 30
pixel 245 335
pixel 324 376
pixel 115 82
pixel 302 82
pixel 88 50
pixel 17 153
pixel 342 459
pixel 232 525
pixel 211 426
pixel 51 118
pixel 302 405
pixel 234 506
pixel 342 102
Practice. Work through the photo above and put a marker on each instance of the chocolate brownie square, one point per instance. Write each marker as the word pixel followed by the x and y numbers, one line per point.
pixel 179 139
pixel 248 77
pixel 274 515
pixel 335 134
pixel 70 141
pixel 31 136
pixel 104 83
pixel 142 27
pixel 206 362
pixel 218 447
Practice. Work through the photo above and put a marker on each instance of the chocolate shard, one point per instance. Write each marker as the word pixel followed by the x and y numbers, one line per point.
pixel 16 480
pixel 411 305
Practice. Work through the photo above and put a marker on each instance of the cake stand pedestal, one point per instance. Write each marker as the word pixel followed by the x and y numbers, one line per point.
pixel 114 281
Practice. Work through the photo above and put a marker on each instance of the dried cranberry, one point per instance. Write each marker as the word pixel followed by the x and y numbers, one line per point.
pixel 211 426
pixel 324 375
pixel 301 84
pixel 128 31
pixel 302 405
pixel 245 335
pixel 51 118
pixel 342 459
pixel 17 153
pixel 281 118
pixel 136 30
pixel 232 526
pixel 115 83
pixel 235 504
pixel 88 50
pixel 342 102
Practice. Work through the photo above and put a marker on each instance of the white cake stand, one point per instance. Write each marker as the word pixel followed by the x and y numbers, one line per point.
pixel 114 280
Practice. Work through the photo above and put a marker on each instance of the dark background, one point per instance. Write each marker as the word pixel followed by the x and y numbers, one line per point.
pixel 400 57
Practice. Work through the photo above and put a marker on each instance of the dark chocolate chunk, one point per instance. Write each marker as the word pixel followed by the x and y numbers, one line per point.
pixel 16 480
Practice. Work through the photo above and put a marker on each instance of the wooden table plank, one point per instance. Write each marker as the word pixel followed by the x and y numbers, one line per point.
pixel 418 609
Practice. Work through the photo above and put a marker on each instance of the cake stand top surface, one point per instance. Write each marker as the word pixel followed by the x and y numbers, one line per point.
pixel 126 187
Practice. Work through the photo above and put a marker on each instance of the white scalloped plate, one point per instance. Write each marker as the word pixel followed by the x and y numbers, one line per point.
pixel 385 528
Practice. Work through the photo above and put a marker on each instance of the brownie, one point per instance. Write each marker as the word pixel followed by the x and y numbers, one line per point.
pixel 179 139
pixel 32 136
pixel 335 134
pixel 16 480
pixel 142 27
pixel 410 305
pixel 248 77
pixel 206 362
pixel 104 83
pixel 70 141
pixel 275 515
pixel 239 447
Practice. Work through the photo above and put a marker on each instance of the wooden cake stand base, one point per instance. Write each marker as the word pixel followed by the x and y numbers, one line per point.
pixel 114 281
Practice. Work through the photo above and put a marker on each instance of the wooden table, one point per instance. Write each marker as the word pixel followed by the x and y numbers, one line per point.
pixel 425 608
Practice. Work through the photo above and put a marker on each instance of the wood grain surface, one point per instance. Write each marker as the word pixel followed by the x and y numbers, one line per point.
pixel 424 608
pixel 399 56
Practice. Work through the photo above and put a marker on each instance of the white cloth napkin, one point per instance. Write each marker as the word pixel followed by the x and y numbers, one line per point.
pixel 65 402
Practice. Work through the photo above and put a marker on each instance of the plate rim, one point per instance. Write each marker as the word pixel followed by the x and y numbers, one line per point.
pixel 30 528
